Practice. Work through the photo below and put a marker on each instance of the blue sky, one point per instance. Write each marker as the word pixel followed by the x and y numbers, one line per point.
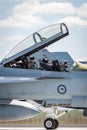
pixel 20 18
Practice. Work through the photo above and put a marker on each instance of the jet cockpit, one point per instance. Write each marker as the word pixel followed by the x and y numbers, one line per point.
pixel 34 46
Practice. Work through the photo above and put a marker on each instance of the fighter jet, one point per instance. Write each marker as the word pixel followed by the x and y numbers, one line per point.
pixel 32 78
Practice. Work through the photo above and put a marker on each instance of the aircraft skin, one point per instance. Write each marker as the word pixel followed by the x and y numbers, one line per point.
pixel 21 83
pixel 64 88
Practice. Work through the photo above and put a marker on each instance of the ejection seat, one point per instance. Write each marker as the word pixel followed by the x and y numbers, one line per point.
pixel 56 66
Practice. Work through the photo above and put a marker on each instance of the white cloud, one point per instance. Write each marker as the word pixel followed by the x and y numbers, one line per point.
pixel 56 7
pixel 73 20
pixel 27 7
pixel 21 21
pixel 23 15
pixel 31 13
pixel 82 11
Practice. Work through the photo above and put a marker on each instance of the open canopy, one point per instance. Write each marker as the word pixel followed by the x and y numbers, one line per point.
pixel 37 41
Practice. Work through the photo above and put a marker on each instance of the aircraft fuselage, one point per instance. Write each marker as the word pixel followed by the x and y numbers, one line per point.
pixel 63 87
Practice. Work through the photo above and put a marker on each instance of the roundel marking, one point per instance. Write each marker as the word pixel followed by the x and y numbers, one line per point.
pixel 61 89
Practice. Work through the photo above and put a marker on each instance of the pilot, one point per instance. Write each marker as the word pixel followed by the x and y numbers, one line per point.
pixel 24 62
pixel 65 64
pixel 64 67
pixel 46 65
pixel 56 65
pixel 32 64
pixel 45 60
